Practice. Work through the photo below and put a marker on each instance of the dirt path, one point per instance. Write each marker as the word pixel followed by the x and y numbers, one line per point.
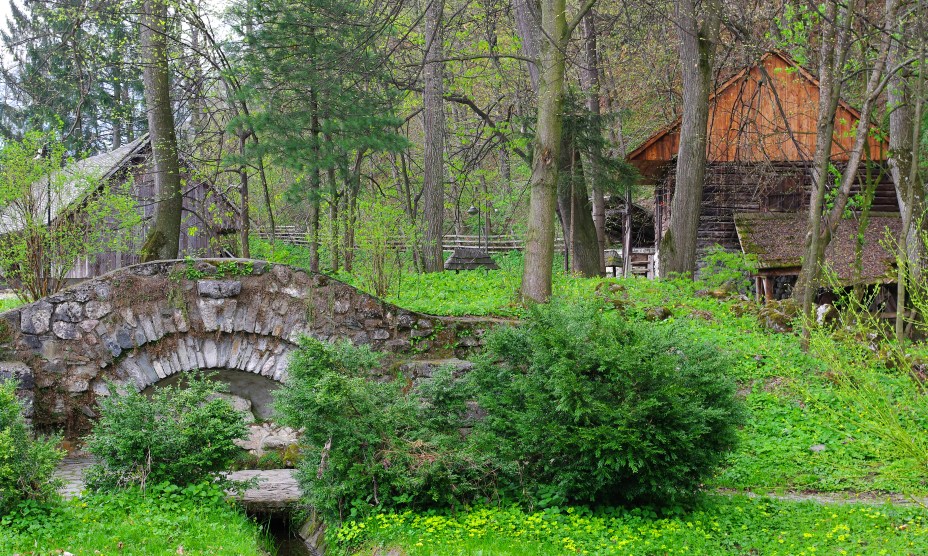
pixel 869 498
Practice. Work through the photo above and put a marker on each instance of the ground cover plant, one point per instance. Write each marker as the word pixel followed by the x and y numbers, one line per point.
pixel 575 406
pixel 164 520
pixel 719 525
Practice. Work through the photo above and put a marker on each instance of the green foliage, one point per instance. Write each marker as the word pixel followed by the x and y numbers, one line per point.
pixel 792 28
pixel 41 244
pixel 314 116
pixel 181 435
pixel 372 445
pixel 52 49
pixel 596 409
pixel 165 519
pixel 9 303
pixel 718 526
pixel 791 403
pixel 26 464
pixel 729 270
pixel 379 262
pixel 224 269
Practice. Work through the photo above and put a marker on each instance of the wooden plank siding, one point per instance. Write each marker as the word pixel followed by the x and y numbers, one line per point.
pixel 760 144
pixel 205 216
pixel 732 188
pixel 765 113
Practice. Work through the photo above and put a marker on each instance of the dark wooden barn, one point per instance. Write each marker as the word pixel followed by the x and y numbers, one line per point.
pixel 761 140
pixel 207 218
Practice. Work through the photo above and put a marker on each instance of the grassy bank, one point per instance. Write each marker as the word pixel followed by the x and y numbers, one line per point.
pixel 167 520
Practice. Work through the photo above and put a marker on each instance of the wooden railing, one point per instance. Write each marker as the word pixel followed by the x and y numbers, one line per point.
pixel 494 244
pixel 642 257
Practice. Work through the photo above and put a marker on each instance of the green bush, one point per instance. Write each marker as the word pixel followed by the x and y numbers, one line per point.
pixel 595 408
pixel 26 464
pixel 371 444
pixel 727 269
pixel 178 435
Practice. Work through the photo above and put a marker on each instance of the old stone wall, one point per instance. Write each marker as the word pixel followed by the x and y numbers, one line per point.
pixel 148 322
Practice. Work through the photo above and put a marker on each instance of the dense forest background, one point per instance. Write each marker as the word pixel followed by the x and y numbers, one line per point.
pixel 377 127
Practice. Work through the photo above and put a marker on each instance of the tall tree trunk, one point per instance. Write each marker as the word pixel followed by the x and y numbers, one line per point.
pixel 267 192
pixel 576 216
pixel 243 184
pixel 334 197
pixel 698 24
pixel 549 43
pixel 822 226
pixel 315 182
pixel 832 53
pixel 433 191
pixel 528 22
pixel 905 116
pixel 592 84
pixel 197 110
pixel 539 237
pixel 164 236
pixel 117 112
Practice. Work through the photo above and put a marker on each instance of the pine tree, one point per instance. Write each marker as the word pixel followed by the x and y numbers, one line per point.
pixel 314 70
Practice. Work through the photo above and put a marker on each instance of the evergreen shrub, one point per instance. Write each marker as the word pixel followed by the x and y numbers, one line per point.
pixel 180 435
pixel 373 444
pixel 595 408
pixel 26 463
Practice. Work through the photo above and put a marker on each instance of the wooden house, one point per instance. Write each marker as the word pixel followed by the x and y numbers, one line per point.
pixel 207 218
pixel 760 144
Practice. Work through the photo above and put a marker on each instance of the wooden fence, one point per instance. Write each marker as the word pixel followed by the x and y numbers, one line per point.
pixel 494 244
pixel 642 258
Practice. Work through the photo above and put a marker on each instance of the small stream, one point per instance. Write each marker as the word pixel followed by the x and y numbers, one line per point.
pixel 285 535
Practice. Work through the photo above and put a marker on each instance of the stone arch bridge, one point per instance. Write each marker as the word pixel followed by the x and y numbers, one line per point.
pixel 147 323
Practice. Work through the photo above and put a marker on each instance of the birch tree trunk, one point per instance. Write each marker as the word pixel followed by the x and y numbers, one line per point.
pixel 698 25
pixel 433 194
pixel 592 84
pixel 164 235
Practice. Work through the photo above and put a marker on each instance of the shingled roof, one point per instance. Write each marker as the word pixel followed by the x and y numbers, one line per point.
pixel 77 180
pixel 778 241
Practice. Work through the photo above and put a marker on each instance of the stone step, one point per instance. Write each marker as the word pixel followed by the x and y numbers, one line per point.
pixel 277 489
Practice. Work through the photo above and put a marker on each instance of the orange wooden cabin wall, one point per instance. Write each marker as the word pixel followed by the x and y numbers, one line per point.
pixel 768 113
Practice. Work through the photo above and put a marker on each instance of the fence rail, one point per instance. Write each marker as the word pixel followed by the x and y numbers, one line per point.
pixel 642 257
pixel 494 244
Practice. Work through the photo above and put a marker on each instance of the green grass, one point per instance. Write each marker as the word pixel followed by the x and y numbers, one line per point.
pixel 720 525
pixel 8 303
pixel 197 519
